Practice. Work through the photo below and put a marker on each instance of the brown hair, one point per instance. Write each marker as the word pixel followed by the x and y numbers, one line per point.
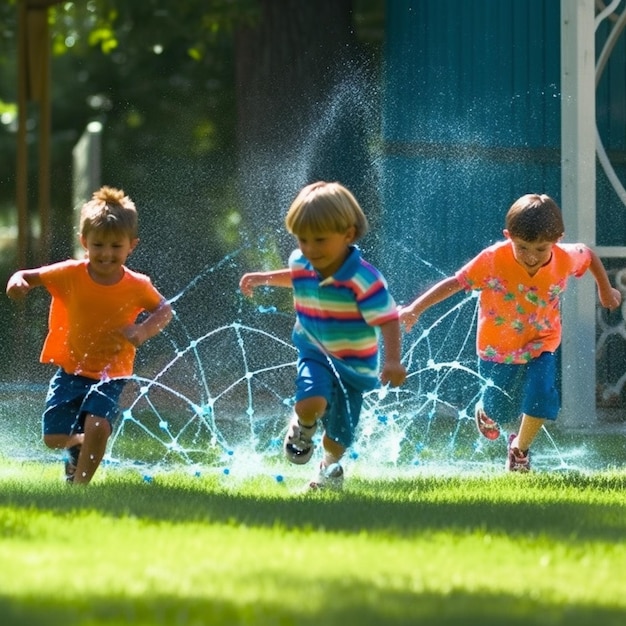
pixel 325 207
pixel 111 210
pixel 535 217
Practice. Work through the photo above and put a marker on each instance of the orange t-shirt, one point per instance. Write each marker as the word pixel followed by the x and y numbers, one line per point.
pixel 85 319
pixel 519 315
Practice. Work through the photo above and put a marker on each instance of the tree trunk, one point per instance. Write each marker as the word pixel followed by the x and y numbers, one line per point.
pixel 303 102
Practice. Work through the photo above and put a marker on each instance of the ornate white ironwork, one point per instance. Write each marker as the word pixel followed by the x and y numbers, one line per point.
pixel 609 394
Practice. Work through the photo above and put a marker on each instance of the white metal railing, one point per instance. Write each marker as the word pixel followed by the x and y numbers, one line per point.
pixel 609 393
pixel 578 200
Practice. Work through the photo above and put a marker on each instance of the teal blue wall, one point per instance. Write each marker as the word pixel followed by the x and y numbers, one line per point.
pixel 471 121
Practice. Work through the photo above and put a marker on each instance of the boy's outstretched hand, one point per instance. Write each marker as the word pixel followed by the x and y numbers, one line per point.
pixel 393 373
pixel 275 278
pixel 408 318
pixel 611 300
pixel 247 284
pixel 20 284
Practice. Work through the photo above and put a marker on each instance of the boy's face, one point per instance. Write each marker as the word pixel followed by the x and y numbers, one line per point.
pixel 326 251
pixel 107 252
pixel 531 255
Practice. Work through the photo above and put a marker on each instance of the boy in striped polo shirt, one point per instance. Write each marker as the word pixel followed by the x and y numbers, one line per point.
pixel 342 307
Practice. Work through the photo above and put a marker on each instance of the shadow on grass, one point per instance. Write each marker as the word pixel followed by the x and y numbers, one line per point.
pixel 359 604
pixel 565 507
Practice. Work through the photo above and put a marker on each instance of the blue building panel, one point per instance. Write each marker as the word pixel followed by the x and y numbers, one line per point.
pixel 471 122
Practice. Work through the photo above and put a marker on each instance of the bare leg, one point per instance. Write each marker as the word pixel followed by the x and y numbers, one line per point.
pixel 58 442
pixel 333 451
pixel 310 410
pixel 528 430
pixel 97 433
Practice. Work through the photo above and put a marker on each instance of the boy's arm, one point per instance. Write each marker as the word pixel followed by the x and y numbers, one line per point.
pixel 275 278
pixel 22 282
pixel 156 321
pixel 393 371
pixel 608 295
pixel 442 290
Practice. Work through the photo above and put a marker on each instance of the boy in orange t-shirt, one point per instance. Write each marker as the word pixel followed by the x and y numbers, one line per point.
pixel 92 330
pixel 520 281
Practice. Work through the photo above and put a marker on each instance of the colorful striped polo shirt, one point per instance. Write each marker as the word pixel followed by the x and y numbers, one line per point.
pixel 339 316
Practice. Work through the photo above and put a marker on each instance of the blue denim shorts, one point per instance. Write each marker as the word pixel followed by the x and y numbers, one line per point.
pixel 71 397
pixel 317 378
pixel 528 388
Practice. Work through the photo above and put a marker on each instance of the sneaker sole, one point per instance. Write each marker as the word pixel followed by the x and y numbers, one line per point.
pixel 294 454
pixel 315 486
pixel 489 430
pixel 297 457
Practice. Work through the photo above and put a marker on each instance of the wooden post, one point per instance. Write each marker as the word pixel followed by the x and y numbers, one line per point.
pixel 23 227
pixel 40 40
pixel 33 85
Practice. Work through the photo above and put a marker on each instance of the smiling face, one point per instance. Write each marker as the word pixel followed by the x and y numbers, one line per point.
pixel 326 251
pixel 107 251
pixel 531 255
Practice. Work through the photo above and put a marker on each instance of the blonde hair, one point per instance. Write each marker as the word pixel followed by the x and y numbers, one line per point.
pixel 323 207
pixel 110 210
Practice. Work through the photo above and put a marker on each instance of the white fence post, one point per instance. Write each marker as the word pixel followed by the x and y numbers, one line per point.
pixel 578 191
pixel 87 167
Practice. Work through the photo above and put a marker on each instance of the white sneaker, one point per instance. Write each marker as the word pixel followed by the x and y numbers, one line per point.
pixel 330 477
pixel 298 444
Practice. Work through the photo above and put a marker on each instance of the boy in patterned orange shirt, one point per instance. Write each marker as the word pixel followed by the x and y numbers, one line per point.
pixel 520 281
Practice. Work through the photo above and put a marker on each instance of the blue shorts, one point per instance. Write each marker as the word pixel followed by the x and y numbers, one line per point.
pixel 71 397
pixel 528 388
pixel 316 378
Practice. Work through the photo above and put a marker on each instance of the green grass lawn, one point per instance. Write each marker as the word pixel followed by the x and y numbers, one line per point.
pixel 546 548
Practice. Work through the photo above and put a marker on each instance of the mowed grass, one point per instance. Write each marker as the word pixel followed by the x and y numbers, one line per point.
pixel 546 548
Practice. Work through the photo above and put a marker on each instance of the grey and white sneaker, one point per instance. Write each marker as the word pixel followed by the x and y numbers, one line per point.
pixel 330 477
pixel 298 444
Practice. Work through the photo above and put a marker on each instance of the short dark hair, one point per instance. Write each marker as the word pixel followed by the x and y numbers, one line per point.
pixel 535 217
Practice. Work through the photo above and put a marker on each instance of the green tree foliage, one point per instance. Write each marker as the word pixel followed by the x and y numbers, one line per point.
pixel 162 77
pixel 158 74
